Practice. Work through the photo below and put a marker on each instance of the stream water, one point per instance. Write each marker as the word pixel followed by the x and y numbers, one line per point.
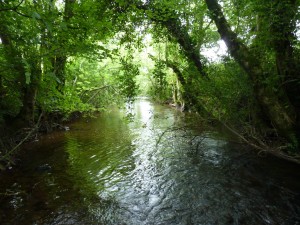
pixel 159 168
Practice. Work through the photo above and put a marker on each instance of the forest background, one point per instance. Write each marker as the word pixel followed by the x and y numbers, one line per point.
pixel 60 57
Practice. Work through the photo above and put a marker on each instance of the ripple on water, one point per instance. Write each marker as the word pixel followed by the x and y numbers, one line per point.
pixel 155 169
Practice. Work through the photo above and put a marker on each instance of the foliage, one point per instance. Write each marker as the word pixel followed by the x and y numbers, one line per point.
pixel 159 88
pixel 126 78
pixel 228 95
pixel 84 55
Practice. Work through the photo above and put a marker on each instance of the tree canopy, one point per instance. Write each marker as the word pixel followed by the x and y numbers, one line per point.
pixel 58 57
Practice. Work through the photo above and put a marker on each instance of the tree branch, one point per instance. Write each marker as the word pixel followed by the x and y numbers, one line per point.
pixel 9 153
pixel 13 8
pixel 178 31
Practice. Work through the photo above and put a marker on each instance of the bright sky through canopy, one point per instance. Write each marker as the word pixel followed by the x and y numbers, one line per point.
pixel 215 53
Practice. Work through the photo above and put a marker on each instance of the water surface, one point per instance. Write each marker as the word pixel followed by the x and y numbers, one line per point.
pixel 158 168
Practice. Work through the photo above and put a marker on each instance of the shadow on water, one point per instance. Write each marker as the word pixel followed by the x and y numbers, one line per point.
pixel 157 168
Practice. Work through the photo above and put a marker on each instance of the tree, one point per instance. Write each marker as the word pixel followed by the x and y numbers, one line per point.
pixel 274 103
pixel 37 37
pixel 44 44
pixel 268 56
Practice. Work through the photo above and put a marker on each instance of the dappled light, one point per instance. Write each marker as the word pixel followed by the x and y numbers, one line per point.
pixel 111 171
pixel 142 101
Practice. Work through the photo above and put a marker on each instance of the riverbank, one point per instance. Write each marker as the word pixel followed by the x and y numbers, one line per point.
pixel 16 133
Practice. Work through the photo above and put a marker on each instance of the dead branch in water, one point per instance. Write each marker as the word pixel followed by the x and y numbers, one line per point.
pixel 263 147
pixel 8 154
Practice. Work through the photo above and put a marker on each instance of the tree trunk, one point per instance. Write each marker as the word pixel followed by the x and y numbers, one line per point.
pixel 190 49
pixel 282 33
pixel 29 101
pixel 280 113
pixel 59 64
pixel 14 58
pixel 188 96
pixel 60 60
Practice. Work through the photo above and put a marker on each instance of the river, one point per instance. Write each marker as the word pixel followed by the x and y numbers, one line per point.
pixel 147 164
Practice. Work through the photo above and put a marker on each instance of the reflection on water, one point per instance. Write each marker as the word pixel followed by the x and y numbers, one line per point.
pixel 155 169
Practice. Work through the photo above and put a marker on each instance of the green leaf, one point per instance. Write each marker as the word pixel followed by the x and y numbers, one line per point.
pixel 36 15
pixel 2 168
pixel 49 26
pixel 27 76
pixel 63 26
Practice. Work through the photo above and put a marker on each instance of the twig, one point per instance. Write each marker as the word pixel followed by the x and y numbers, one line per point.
pixel 97 92
pixel 264 148
pixel 13 193
pixel 169 129
pixel 13 8
pixel 21 142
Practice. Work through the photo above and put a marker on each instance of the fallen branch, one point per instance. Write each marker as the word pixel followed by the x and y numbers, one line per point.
pixel 9 153
pixel 97 92
pixel 264 148
pixel 169 129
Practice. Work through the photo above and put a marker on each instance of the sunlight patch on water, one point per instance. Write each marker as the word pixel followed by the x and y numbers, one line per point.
pixel 144 111
pixel 153 169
